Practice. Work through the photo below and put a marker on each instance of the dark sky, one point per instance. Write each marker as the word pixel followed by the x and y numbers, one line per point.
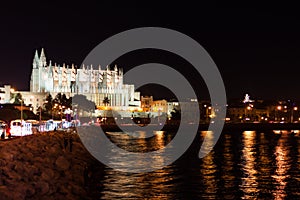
pixel 257 49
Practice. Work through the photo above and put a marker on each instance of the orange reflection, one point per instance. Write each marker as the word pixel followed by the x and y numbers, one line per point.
pixel 264 160
pixel 227 166
pixel 209 168
pixel 282 166
pixel 249 182
pixel 159 139
pixel 154 185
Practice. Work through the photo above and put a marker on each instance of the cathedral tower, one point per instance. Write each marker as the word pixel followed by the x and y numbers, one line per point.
pixel 34 82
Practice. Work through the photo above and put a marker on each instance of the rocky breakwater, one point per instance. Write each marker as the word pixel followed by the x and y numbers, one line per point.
pixel 52 165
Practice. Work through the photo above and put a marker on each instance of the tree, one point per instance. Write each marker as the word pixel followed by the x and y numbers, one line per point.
pixel 60 99
pixel 10 113
pixel 106 101
pixel 59 103
pixel 49 103
pixel 83 103
pixel 17 98
pixel 176 115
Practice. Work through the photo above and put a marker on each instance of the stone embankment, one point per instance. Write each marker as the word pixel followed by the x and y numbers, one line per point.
pixel 52 165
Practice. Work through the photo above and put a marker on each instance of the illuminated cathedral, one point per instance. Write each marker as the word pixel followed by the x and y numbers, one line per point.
pixel 93 82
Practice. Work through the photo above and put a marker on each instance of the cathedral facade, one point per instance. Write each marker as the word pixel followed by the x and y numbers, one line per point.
pixel 93 82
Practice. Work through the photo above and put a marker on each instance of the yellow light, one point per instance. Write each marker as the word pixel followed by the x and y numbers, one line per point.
pixel 295 108
pixel 278 107
pixel 12 90
pixel 249 108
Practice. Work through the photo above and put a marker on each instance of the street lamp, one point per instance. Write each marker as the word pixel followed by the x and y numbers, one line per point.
pixel 292 113
pixel 55 106
pixel 277 111
pixel 61 112
pixel 21 109
pixel 21 100
pixel 40 111
pixel 40 114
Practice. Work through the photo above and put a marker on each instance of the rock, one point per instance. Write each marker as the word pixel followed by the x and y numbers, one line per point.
pixel 78 190
pixel 47 174
pixel 62 163
pixel 42 187
pixel 36 167
pixel 30 191
pixel 78 178
pixel 31 171
pixel 63 189
pixel 2 162
pixel 13 175
pixel 8 156
pixel 19 167
pixel 25 190
pixel 39 159
pixel 4 192
pixel 29 156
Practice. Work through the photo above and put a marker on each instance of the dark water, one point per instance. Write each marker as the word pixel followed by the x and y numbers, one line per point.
pixel 243 165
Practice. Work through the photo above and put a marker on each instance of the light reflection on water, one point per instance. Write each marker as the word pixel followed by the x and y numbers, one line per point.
pixel 282 153
pixel 208 168
pixel 243 165
pixel 249 184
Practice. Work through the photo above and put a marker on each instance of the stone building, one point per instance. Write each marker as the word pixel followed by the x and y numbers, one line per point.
pixel 93 82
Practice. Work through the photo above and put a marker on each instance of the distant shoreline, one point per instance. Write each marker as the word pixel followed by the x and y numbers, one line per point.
pixel 227 127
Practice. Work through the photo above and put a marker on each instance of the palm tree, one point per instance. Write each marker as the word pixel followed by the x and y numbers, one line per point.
pixel 106 101
pixel 17 98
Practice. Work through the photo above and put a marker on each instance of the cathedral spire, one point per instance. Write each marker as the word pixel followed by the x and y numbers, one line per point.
pixel 36 56
pixel 43 59
pixel 36 60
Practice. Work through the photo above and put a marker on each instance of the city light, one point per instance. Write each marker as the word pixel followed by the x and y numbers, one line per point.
pixel 295 108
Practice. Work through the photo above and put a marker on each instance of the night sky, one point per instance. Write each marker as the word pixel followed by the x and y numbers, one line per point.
pixel 257 50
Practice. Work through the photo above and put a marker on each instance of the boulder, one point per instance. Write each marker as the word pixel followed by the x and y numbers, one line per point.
pixel 62 163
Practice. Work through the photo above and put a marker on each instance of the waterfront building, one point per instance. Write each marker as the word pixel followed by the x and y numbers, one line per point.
pixel 5 94
pixel 146 103
pixel 93 82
